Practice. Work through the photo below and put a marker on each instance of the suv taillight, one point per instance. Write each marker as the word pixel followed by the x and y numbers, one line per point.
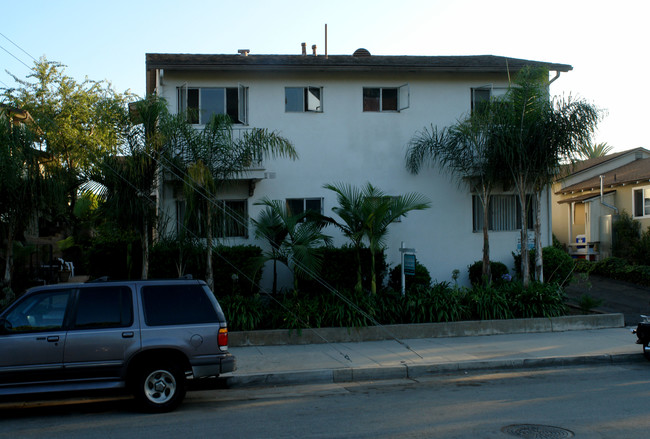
pixel 222 339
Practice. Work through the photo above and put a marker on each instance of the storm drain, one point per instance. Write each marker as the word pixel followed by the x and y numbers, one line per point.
pixel 532 431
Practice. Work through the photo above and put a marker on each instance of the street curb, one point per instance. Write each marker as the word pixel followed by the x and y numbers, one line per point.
pixel 404 371
pixel 278 337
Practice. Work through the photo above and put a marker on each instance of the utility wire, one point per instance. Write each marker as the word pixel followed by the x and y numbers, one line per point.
pixel 19 60
pixel 23 50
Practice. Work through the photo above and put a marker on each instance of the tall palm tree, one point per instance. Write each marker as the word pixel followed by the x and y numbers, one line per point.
pixel 294 239
pixel 532 134
pixel 464 151
pixel 591 150
pixel 215 155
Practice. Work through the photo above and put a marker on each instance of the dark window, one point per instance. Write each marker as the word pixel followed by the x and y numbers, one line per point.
pixel 480 98
pixel 166 305
pixel 104 307
pixel 203 103
pixel 504 213
pixel 232 218
pixel 641 202
pixel 296 206
pixel 40 312
pixel 386 98
pixel 303 99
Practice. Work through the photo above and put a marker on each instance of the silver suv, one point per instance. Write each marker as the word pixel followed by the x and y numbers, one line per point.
pixel 144 336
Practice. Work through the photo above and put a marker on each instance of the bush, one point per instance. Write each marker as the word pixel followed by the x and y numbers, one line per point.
pixel 538 300
pixel 558 265
pixel 498 270
pixel 627 232
pixel 422 278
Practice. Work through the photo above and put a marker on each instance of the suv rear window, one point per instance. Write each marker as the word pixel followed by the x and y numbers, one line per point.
pixel 177 305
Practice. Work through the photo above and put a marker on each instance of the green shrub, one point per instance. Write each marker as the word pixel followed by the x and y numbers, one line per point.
pixel 627 232
pixel 538 300
pixel 421 278
pixel 488 303
pixel 243 313
pixel 498 270
pixel 587 303
pixel 584 266
pixel 558 265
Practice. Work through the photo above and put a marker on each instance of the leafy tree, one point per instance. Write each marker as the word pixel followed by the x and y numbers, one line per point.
pixel 80 121
pixel 212 157
pixel 294 239
pixel 463 150
pixel 28 188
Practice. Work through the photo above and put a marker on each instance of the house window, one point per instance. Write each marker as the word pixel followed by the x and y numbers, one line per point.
pixel 231 221
pixel 504 213
pixel 386 98
pixel 480 96
pixel 641 202
pixel 296 206
pixel 302 99
pixel 201 104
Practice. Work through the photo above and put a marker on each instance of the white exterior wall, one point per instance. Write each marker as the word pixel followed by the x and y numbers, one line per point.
pixel 345 144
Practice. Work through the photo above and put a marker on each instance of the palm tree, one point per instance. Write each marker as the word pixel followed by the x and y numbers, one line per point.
pixel 293 239
pixel 350 201
pixel 532 134
pixel 367 213
pixel 215 155
pixel 464 151
pixel 590 150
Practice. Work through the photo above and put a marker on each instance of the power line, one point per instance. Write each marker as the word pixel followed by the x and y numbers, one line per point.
pixel 19 60
pixel 23 50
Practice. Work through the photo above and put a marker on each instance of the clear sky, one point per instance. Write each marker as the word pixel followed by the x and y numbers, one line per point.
pixel 606 42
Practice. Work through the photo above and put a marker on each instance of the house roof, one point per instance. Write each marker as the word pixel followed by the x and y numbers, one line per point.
pixel 446 64
pixel 584 197
pixel 634 172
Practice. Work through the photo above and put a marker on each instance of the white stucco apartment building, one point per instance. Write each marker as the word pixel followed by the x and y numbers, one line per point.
pixel 350 118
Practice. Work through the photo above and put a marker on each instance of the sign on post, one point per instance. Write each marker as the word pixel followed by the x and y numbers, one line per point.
pixel 409 264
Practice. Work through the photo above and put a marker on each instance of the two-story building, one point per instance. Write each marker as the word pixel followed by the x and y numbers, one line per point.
pixel 350 118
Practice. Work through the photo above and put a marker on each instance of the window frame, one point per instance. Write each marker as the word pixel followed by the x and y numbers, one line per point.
pixel 196 113
pixel 645 201
pixel 305 201
pixel 402 99
pixel 304 104
pixel 496 217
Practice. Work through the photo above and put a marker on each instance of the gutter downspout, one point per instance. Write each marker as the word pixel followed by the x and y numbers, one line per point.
pixel 601 196
pixel 557 75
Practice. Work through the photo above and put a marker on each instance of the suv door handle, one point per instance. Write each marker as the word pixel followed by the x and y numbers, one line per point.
pixel 53 338
pixel 127 334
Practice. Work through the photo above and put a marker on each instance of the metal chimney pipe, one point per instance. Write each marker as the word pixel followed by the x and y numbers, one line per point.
pixel 313 48
pixel 304 49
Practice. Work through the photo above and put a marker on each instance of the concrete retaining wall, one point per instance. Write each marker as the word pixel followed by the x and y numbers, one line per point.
pixel 425 330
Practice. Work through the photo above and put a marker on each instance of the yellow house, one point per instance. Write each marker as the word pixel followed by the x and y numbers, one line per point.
pixel 590 195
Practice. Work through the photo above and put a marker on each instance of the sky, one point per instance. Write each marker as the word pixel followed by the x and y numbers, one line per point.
pixel 606 42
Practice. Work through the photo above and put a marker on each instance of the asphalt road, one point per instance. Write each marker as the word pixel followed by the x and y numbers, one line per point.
pixel 616 296
pixel 598 402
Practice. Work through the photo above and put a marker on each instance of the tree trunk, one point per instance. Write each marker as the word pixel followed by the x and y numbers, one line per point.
pixel 539 263
pixel 373 275
pixel 525 269
pixel 9 252
pixel 145 249
pixel 359 286
pixel 487 269
pixel 209 276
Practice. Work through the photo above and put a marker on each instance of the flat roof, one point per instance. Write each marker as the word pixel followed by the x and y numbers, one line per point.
pixel 386 63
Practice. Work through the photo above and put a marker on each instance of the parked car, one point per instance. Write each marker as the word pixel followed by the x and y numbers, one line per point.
pixel 147 337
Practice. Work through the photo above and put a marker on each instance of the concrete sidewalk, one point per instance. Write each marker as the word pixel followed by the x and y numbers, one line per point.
pixel 412 358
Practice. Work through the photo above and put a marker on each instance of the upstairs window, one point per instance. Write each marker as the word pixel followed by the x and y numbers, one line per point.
pixel 481 95
pixel 201 104
pixel 380 99
pixel 641 202
pixel 303 99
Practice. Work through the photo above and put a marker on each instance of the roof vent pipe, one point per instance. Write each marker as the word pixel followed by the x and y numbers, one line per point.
pixel 313 48
pixel 304 49
pixel 244 52
pixel 602 177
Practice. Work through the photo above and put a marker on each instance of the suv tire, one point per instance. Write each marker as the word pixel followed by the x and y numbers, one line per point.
pixel 159 388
